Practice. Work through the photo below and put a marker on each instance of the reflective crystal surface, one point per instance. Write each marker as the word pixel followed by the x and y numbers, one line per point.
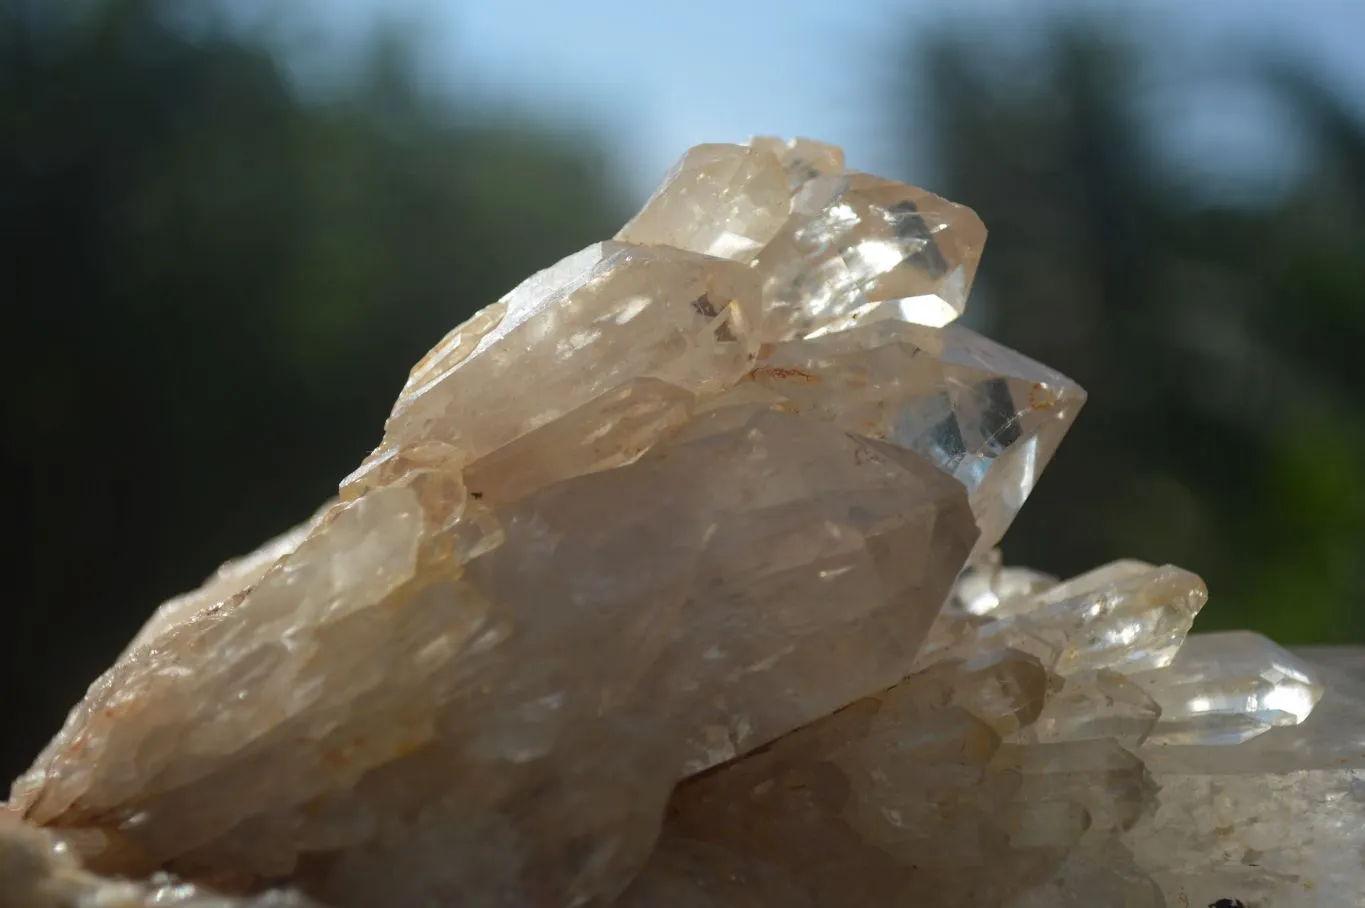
pixel 803 159
pixel 1225 688
pixel 1126 617
pixel 1274 820
pixel 857 245
pixel 983 414
pixel 832 247
pixel 723 200
pixel 989 583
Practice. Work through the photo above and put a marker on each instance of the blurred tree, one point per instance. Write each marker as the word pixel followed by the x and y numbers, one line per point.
pixel 212 291
pixel 1219 342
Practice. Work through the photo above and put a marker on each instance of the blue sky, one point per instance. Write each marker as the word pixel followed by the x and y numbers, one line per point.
pixel 654 78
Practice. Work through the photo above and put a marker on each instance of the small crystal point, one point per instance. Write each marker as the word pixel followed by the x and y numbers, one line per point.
pixel 831 246
pixel 1275 819
pixel 1126 616
pixel 856 242
pixel 721 200
pixel 1227 687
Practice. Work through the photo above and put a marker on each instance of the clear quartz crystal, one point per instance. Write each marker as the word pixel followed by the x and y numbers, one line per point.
pixel 832 247
pixel 723 200
pixel 1225 688
pixel 1092 705
pixel 591 465
pixel 1126 617
pixel 708 509
pixel 983 414
pixel 857 245
pixel 1274 820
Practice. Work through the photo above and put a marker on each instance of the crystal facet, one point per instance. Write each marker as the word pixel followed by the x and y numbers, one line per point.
pixel 723 200
pixel 832 247
pixel 856 244
pixel 983 414
pixel 1225 688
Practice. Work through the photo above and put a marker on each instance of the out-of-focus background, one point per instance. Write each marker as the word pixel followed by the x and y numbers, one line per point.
pixel 227 229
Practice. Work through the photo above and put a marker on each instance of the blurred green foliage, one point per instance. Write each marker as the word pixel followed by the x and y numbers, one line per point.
pixel 213 287
pixel 213 291
pixel 1221 343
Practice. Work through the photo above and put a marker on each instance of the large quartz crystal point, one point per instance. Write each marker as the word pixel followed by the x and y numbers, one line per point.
pixel 683 495
pixel 390 686
pixel 982 413
pixel 584 562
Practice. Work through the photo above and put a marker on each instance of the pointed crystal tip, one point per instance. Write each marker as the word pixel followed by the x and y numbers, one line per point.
pixel 1224 688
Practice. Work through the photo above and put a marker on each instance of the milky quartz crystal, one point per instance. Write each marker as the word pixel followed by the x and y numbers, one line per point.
pixel 673 582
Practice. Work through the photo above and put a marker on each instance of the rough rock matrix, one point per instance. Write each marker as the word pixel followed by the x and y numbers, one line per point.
pixel 674 582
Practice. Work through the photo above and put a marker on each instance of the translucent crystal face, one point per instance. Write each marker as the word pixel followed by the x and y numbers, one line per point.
pixel 983 414
pixel 831 246
pixel 1226 688
pixel 1125 617
pixel 857 243
pixel 722 200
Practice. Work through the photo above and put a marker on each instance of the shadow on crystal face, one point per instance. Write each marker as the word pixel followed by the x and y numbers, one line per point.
pixel 997 782
pixel 913 796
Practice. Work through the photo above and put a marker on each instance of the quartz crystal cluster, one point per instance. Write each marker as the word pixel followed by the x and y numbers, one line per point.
pixel 674 582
